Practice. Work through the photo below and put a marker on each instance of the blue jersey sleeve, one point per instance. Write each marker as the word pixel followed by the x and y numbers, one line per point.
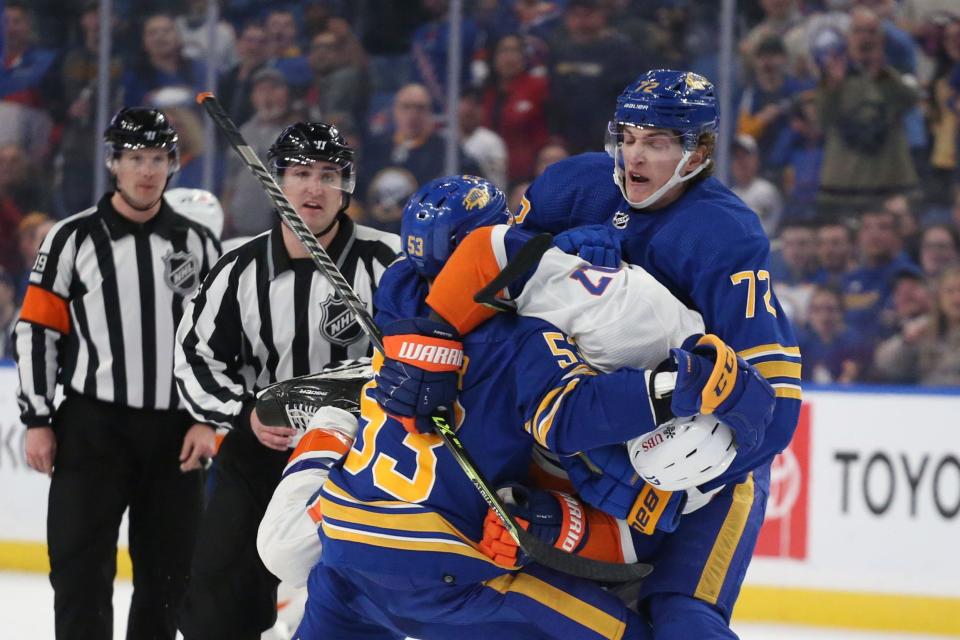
pixel 575 191
pixel 400 294
pixel 567 406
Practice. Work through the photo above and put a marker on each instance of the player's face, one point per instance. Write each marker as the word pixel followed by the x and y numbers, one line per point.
pixel 142 175
pixel 650 156
pixel 314 191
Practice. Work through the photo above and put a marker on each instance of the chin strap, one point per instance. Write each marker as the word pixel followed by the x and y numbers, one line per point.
pixel 326 229
pixel 620 178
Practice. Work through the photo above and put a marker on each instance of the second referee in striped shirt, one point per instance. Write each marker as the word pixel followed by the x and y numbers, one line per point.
pixel 266 314
pixel 104 300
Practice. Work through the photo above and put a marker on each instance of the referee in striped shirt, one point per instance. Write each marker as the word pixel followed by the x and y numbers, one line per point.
pixel 266 314
pixel 100 315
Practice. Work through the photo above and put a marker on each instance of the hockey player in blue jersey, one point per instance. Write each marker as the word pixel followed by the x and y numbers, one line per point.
pixel 401 525
pixel 707 247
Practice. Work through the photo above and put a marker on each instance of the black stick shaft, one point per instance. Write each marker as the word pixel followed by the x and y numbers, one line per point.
pixel 536 549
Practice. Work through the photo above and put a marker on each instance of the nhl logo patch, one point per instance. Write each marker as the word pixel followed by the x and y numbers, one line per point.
pixel 181 272
pixel 337 322
pixel 621 219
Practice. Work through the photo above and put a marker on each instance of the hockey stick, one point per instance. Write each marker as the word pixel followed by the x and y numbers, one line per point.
pixel 524 260
pixel 540 551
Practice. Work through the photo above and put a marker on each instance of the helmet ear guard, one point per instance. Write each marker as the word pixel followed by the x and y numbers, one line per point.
pixel 683 453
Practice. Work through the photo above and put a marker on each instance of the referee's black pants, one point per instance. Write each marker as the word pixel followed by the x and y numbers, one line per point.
pixel 111 457
pixel 232 595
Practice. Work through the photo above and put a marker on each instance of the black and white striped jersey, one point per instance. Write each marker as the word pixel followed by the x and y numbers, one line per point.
pixel 101 311
pixel 261 317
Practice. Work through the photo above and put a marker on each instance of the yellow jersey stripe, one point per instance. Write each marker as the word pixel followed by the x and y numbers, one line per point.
pixel 402 543
pixel 545 424
pixel 778 369
pixel 342 494
pixel 769 350
pixel 786 390
pixel 718 563
pixel 422 522
pixel 583 613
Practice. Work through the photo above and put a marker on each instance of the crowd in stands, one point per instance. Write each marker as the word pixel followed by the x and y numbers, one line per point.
pixel 847 121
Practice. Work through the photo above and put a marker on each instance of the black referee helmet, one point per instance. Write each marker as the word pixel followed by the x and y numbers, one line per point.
pixel 308 142
pixel 141 128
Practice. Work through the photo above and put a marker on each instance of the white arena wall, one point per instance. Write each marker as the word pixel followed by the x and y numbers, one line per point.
pixel 863 524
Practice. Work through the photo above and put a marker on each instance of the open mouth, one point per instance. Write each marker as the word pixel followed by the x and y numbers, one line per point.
pixel 636 178
pixel 313 205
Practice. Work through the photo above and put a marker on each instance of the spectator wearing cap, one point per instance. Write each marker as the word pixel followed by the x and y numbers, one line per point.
pixel 912 306
pixel 832 351
pixel 514 105
pixel 236 84
pixel 768 100
pixel 868 287
pixel 249 211
pixel 758 193
pixel 590 64
pixel 835 253
pixel 161 64
pixel 862 101
pixel 939 249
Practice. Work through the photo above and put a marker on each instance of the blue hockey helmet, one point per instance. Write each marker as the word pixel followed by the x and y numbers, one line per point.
pixel 439 215
pixel 682 101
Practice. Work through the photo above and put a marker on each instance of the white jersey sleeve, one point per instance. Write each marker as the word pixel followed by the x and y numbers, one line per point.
pixel 287 539
pixel 618 317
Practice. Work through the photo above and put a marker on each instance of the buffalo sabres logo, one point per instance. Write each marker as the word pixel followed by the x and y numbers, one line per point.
pixel 181 272
pixel 621 219
pixel 697 82
pixel 476 198
pixel 337 322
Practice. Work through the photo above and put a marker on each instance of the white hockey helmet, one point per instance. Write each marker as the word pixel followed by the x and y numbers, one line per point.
pixel 198 205
pixel 683 452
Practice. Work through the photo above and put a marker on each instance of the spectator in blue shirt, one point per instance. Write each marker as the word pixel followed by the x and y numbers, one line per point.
pixel 832 351
pixel 867 289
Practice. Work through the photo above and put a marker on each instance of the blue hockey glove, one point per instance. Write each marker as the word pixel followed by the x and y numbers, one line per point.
pixel 605 479
pixel 712 379
pixel 420 371
pixel 595 243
